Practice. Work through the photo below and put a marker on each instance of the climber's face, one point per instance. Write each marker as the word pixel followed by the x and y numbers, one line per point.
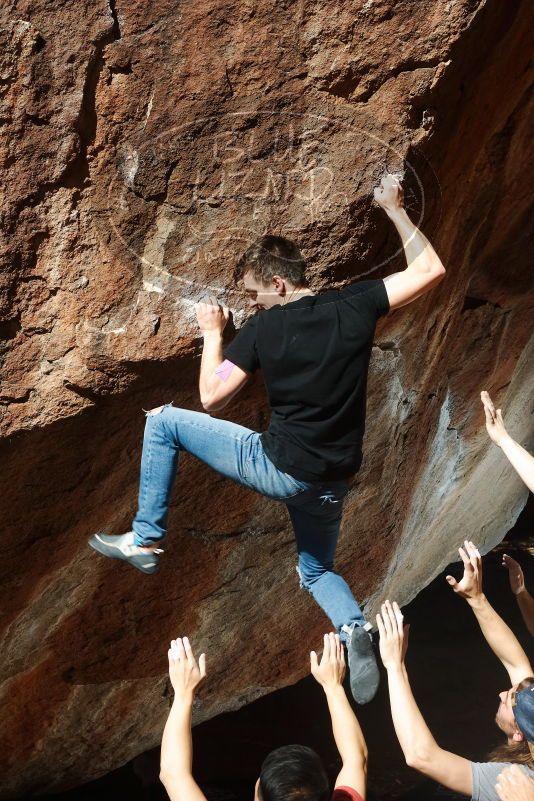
pixel 264 296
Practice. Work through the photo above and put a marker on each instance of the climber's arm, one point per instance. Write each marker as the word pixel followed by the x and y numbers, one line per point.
pixel 219 379
pixel 424 269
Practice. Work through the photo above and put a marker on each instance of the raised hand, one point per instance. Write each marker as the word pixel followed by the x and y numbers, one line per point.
pixel 470 585
pixel 211 316
pixel 514 785
pixel 393 634
pixel 330 671
pixel 184 671
pixel 515 574
pixel 494 422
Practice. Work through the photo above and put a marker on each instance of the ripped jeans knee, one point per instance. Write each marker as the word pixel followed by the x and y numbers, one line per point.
pixel 301 580
pixel 157 410
pixel 308 578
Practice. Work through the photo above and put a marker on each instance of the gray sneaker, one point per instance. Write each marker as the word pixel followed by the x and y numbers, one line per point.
pixel 123 547
pixel 364 675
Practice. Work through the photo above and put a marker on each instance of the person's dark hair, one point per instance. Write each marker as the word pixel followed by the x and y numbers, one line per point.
pixel 293 773
pixel 272 255
pixel 520 752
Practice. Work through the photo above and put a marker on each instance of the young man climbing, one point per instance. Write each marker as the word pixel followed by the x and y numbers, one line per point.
pixel 314 351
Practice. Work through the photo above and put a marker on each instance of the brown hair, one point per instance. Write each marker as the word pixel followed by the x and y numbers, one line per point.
pixel 512 752
pixel 272 255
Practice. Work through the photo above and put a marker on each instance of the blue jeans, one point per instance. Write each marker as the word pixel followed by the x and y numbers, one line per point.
pixel 236 452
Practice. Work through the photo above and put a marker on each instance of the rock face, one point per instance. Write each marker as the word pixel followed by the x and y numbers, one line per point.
pixel 145 145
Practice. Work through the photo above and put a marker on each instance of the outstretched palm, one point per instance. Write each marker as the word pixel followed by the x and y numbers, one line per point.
pixel 515 574
pixel 470 584
pixel 185 672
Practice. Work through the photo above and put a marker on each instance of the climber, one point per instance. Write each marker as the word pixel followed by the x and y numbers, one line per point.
pixel 289 773
pixel 314 351
pixel 515 715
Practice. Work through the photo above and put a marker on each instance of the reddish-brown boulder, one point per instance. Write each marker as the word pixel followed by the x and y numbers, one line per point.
pixel 145 145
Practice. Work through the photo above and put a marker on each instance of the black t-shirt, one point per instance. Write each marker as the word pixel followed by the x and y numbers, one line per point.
pixel 314 353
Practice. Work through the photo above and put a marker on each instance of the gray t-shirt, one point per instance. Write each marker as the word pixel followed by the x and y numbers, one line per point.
pixel 485 777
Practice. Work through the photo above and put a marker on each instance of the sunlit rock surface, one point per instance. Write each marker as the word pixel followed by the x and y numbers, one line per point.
pixel 144 146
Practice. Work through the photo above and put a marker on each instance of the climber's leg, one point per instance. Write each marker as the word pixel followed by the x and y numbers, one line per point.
pixel 316 518
pixel 169 430
pixel 233 450
pixel 316 523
